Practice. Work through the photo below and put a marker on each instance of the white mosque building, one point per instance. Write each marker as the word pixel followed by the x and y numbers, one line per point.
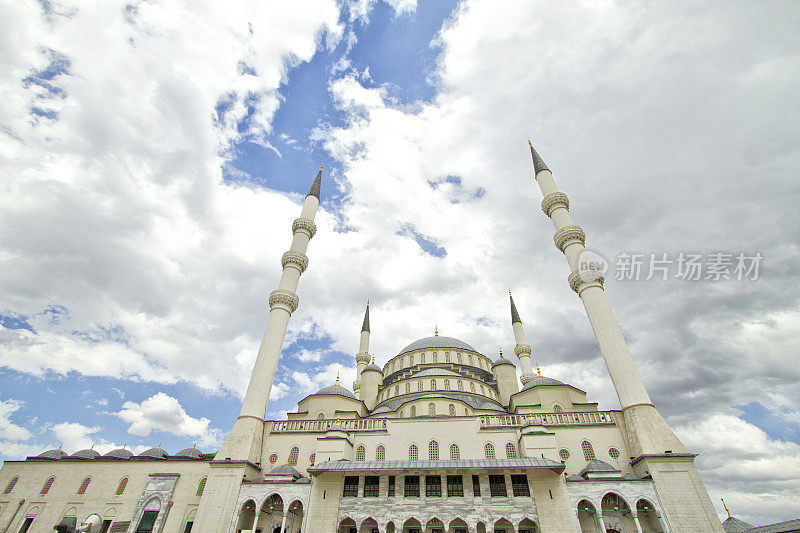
pixel 440 439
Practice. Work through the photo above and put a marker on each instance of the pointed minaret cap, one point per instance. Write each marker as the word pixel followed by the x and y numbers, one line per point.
pixel 538 162
pixel 514 314
pixel 314 190
pixel 365 325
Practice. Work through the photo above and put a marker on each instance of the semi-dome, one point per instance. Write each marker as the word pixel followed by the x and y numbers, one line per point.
pixel 193 453
pixel 372 366
pixel 541 380
pixel 119 453
pixel 85 454
pixel 435 372
pixel 437 342
pixel 502 361
pixel 154 453
pixel 52 454
pixel 336 390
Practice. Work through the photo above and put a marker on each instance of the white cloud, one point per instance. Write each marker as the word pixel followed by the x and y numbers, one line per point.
pixel 8 429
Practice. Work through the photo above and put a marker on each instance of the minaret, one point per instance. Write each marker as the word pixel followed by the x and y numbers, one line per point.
pixel 522 349
pixel 244 441
pixel 362 357
pixel 654 447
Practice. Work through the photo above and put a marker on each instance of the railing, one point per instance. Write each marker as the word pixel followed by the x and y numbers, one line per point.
pixel 549 419
pixel 367 424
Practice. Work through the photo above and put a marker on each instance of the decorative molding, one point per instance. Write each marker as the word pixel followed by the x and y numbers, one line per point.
pixel 305 225
pixel 284 299
pixel 553 200
pixel 568 233
pixel 362 358
pixel 526 378
pixel 522 349
pixel 583 279
pixel 296 258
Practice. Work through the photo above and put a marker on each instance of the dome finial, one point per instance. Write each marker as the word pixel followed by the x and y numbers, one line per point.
pixel 373 359
pixel 501 351
pixel 726 508
pixel 537 369
pixel 530 414
pixel 337 378
pixel 436 330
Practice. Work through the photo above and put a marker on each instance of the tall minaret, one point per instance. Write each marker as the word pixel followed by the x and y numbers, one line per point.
pixel 522 349
pixel 362 357
pixel 244 441
pixel 654 447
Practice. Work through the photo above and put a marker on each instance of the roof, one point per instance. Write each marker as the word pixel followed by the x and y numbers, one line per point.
pixel 365 325
pixel 85 454
pixel 155 453
pixel 119 453
pixel 538 162
pixel 502 361
pixel 514 313
pixel 337 390
pixel 437 342
pixel 284 470
pixel 539 381
pixel 435 372
pixel 475 401
pixel 315 187
pixel 373 366
pixel 461 464
pixel 194 453
pixel 596 465
pixel 780 527
pixel 734 525
pixel 52 454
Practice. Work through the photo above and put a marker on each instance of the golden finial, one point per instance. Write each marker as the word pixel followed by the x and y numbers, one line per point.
pixel 726 508
pixel 530 414
pixel 436 331
pixel 373 359
pixel 337 378
pixel 338 420
pixel 501 351
pixel 367 301
pixel 529 143
pixel 509 292
pixel 320 167
pixel 537 369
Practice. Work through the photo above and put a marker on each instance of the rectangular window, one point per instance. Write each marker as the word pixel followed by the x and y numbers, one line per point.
pixel 147 522
pixel 371 486
pixel 433 486
pixel 188 527
pixel 411 486
pixel 106 526
pixel 519 485
pixel 455 486
pixel 497 485
pixel 476 484
pixel 390 492
pixel 350 486
pixel 26 525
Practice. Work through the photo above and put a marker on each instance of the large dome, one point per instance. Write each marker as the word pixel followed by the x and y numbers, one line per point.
pixel 437 342
pixel 539 381
pixel 337 390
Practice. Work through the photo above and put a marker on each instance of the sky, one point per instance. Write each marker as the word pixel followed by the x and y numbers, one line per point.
pixel 153 155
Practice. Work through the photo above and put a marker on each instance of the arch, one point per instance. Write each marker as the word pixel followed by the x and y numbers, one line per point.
pixel 413 411
pixel 457 523
pixel 153 504
pixel 433 384
pixel 588 451
pixel 431 409
pixel 121 486
pixel 587 516
pixel 201 487
pixel 413 453
pixel 247 515
pixel 33 511
pixel 312 459
pixel 380 453
pixel 460 384
pixel 273 502
pixel 480 527
pixel 488 450
pixel 411 522
pixel 434 522
pixel 390 527
pixel 11 483
pixel 649 517
pixel 361 453
pixel 527 524
pixel 84 485
pixel 511 451
pixel 72 511
pixel 293 455
pixel 504 523
pixel 47 485
pixel 320 416
pixel 455 452
pixel 111 512
pixel 273 458
pixel 452 409
pixel 557 408
pixel 367 525
pixel 616 510
pixel 433 451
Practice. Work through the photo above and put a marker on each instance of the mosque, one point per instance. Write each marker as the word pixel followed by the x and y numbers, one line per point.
pixel 440 439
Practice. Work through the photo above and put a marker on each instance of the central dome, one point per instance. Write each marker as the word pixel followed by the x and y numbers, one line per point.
pixel 437 342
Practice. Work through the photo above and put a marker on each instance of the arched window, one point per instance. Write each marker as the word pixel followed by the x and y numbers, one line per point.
pixel 433 384
pixel 397 390
pixel 47 485
pixel 321 416
pixel 401 414
pixel 458 356
pixel 588 452
pixel 460 385
pixel 511 451
pixel 273 458
pixel 413 453
pixel 557 409
pixel 201 487
pixel 613 452
pixel 10 486
pixel 411 360
pixel 413 411
pixel 469 358
pixel 488 450
pixel 380 453
pixel 84 485
pixel 312 458
pixel 431 409
pixel 452 409
pixel 422 358
pixel 471 387
pixel 408 387
pixel 361 453
pixel 293 454
pixel 563 453
pixel 483 391
pixel 433 450
pixel 455 453
pixel 446 357
pixel 435 357
pixel 419 385
pixel 447 384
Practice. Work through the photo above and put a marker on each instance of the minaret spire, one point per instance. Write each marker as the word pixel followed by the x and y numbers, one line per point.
pixel 315 187
pixel 362 357
pixel 522 348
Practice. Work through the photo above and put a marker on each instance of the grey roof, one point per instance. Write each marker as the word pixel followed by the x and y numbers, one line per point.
pixel 372 366
pixel 365 325
pixel 435 372
pixel 461 464
pixel 337 390
pixel 780 527
pixel 538 381
pixel 596 466
pixel 575 477
pixel 154 453
pixel 52 454
pixel 476 402
pixel 514 313
pixel 119 453
pixel 284 470
pixel 502 361
pixel 85 454
pixel 315 187
pixel 303 481
pixel 734 525
pixel 437 342
pixel 194 453
pixel 538 163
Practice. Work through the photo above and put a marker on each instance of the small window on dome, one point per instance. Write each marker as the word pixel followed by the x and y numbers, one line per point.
pixel 411 360
pixel 460 385
pixel 433 384
pixel 84 485
pixel 613 452
pixel 483 391
pixel 413 411
pixel 321 416
pixel 312 458
pixel 397 390
pixel 202 485
pixel 557 409
pixel 452 409
pixel 563 453
pixel 273 458
pixel 419 385
pixel 422 358
pixel 447 384
pixel 469 358
pixel 435 357
pixel 471 387
pixel 12 482
pixel 458 357
pixel 447 357
pixel 408 387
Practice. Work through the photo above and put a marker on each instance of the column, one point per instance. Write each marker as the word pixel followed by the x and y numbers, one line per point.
pixel 636 523
pixel 283 523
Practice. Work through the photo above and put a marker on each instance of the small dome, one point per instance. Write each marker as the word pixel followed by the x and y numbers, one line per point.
pixel 303 481
pixel 85 454
pixel 194 453
pixel 597 466
pixel 575 477
pixel 119 453
pixel 437 342
pixel 734 525
pixel 337 390
pixel 284 470
pixel 502 361
pixel 372 366
pixel 154 453
pixel 435 372
pixel 52 454
pixel 539 381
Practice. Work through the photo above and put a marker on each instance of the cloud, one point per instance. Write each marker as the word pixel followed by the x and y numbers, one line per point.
pixel 9 430
pixel 162 412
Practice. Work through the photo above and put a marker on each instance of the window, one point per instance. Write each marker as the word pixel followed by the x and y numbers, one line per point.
pixel 472 387
pixel 497 486
pixel 187 529
pixel 390 491
pixel 413 453
pixel 469 358
pixel 293 454
pixel 380 453
pixel 488 450
pixel 455 486
pixel 411 360
pixel 411 486
pixel 433 486
pixel 273 458
pixel 84 485
pixel 408 387
pixel 433 384
pixel 431 409
pixel 402 362
pixel 433 450
pixel 458 356
pixel 414 410
pixel 483 391
pixel 147 522
pixel 452 409
pixel 350 487
pixel 613 452
pixel 321 416
pixel 435 357
pixel 447 357
pixel 447 384
pixel 422 358
pixel 476 485
pixel 519 485
pixel 588 452
pixel 557 409
pixel 401 414
pixel 511 451
pixel 361 453
pixel 371 484
pixel 312 458
pixel 455 453
pixel 10 486
pixel 397 390
pixel 563 453
pixel 26 525
pixel 201 486
pixel 460 385
pixel 121 487
pixel 419 385
pixel 47 485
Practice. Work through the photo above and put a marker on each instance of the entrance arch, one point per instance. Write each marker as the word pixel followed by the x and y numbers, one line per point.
pixel 649 519
pixel 347 525
pixel 458 525
pixel 412 525
pixel 247 516
pixel 588 519
pixel 617 514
